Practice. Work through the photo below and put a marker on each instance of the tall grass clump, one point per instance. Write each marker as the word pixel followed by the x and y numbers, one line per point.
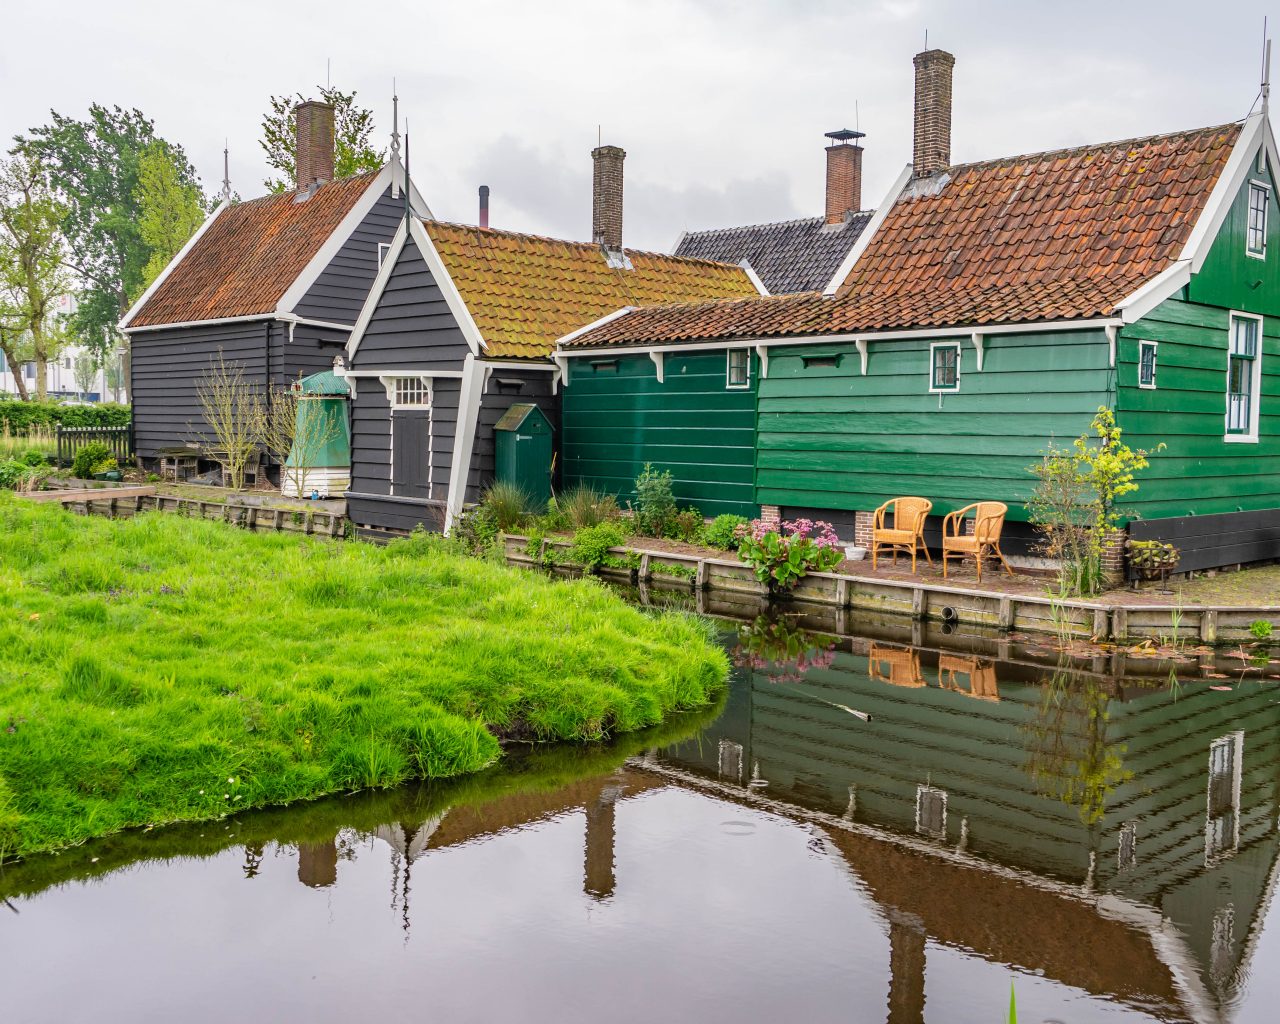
pixel 162 669
pixel 510 505
pixel 582 506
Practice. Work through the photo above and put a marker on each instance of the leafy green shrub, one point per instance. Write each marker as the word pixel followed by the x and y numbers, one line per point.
pixel 685 525
pixel 22 417
pixel 509 504
pixel 34 457
pixel 91 458
pixel 655 506
pixel 582 505
pixel 591 544
pixel 782 558
pixel 1261 629
pixel 722 532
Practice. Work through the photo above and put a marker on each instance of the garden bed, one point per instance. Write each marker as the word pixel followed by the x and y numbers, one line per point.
pixel 166 669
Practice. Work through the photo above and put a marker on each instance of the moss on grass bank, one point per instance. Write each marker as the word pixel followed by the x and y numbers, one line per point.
pixel 161 669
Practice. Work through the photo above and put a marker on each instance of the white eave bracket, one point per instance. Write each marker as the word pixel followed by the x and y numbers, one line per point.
pixel 762 353
pixel 1110 331
pixel 978 342
pixel 861 345
pixel 657 362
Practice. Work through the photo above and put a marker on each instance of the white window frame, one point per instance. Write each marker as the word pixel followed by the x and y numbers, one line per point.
pixel 1219 845
pixel 921 827
pixel 933 347
pixel 1265 189
pixel 1255 397
pixel 728 369
pixel 383 249
pixel 1155 364
pixel 391 383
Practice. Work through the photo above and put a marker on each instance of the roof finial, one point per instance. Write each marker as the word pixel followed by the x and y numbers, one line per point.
pixel 1266 68
pixel 395 121
pixel 226 171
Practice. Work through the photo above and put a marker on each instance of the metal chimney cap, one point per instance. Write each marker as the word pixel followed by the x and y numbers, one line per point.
pixel 845 135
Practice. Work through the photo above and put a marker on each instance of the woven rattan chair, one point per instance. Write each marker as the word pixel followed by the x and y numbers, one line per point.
pixel 906 534
pixel 988 521
pixel 898 666
pixel 981 673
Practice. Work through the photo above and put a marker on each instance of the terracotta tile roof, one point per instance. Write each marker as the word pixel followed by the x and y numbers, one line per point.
pixel 526 291
pixel 250 255
pixel 789 256
pixel 1049 236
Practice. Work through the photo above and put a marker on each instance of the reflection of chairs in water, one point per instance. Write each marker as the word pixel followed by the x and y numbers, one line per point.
pixel 981 672
pixel 895 665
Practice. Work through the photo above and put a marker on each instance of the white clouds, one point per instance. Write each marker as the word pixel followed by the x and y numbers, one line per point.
pixel 720 104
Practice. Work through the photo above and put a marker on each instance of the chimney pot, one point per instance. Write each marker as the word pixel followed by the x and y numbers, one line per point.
pixel 313 125
pixel 932 150
pixel 844 175
pixel 484 206
pixel 606 197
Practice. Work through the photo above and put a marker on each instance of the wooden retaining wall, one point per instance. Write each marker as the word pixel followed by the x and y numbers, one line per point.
pixel 250 517
pixel 1070 619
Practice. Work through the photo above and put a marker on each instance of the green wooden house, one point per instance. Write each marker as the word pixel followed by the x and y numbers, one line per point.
pixel 987 311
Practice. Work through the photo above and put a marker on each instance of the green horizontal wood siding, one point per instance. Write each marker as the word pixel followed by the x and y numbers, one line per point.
pixel 616 417
pixel 829 437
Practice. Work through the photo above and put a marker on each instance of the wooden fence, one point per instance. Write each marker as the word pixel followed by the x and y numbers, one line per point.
pixel 118 439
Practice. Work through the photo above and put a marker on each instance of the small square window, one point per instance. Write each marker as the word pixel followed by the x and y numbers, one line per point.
pixel 383 249
pixel 412 392
pixel 931 812
pixel 1259 201
pixel 1146 364
pixel 738 374
pixel 945 371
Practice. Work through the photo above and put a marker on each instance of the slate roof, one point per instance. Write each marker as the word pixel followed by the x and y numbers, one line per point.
pixel 1047 236
pixel 250 255
pixel 525 291
pixel 788 256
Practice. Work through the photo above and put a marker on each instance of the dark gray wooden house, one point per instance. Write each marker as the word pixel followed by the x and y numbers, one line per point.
pixel 272 284
pixel 460 325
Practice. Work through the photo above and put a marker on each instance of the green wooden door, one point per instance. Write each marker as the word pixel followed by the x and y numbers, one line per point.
pixel 523 450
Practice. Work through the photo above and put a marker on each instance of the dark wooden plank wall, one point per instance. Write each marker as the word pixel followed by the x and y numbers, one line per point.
pixel 413 327
pixel 508 386
pixel 340 291
pixel 1212 541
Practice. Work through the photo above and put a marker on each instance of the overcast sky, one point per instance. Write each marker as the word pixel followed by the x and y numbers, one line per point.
pixel 720 104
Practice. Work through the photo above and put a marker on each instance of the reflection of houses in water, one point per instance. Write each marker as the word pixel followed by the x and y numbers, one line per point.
pixel 1030 819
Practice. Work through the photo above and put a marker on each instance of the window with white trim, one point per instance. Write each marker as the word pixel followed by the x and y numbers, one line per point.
pixel 1222 822
pixel 1259 201
pixel 412 391
pixel 931 812
pixel 1244 377
pixel 383 249
pixel 944 368
pixel 738 368
pixel 1147 364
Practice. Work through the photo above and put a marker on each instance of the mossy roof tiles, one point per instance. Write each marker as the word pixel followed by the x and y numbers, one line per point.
pixel 525 291
pixel 250 255
pixel 1047 236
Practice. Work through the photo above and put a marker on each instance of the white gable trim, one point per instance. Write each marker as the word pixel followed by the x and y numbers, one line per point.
pixel 869 232
pixel 319 263
pixel 202 323
pixel 164 274
pixel 595 323
pixel 452 297
pixel 1255 134
pixel 375 292
pixel 464 437
pixel 753 277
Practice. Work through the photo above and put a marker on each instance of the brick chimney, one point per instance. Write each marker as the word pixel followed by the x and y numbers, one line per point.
pixel 606 197
pixel 932 153
pixel 844 175
pixel 313 123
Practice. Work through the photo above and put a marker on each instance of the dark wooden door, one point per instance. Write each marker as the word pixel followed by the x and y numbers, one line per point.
pixel 410 453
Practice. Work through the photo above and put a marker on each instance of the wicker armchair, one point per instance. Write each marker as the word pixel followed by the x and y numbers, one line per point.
pixel 906 534
pixel 898 666
pixel 988 521
pixel 981 672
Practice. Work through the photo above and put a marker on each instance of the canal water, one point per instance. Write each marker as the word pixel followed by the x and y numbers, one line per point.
pixel 894 826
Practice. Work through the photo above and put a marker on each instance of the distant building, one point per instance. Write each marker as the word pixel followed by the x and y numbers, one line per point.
pixel 60 378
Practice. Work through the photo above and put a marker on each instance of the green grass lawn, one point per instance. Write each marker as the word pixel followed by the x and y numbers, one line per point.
pixel 162 669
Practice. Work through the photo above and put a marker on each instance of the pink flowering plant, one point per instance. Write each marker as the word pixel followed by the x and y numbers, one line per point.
pixel 781 558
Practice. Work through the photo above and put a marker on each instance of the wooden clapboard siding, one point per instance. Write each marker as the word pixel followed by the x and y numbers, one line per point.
pixel 829 437
pixel 340 290
pixel 618 417
pixel 508 386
